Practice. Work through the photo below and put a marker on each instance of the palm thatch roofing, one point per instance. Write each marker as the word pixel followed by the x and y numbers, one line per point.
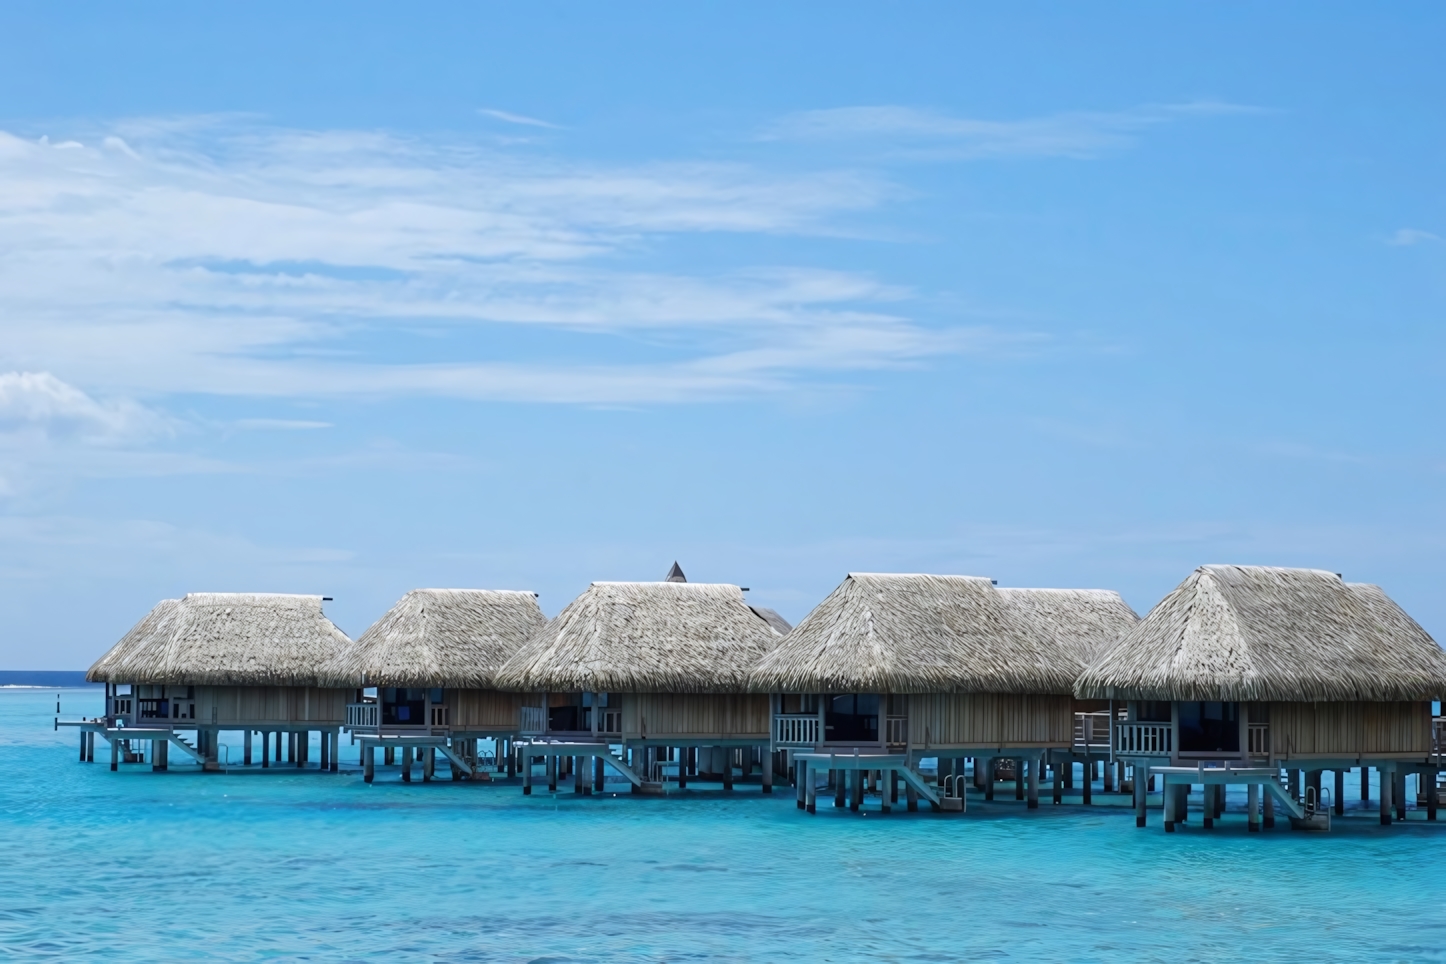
pixel 1254 633
pixel 644 637
pixel 772 618
pixel 440 637
pixel 1081 623
pixel 225 639
pixel 898 633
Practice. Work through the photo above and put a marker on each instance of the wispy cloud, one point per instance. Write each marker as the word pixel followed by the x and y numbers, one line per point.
pixel 937 135
pixel 38 403
pixel 213 255
pixel 1405 237
pixel 511 118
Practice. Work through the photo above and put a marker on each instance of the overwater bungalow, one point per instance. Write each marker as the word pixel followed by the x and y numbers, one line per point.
pixel 213 663
pixel 421 678
pixel 892 669
pixel 1078 625
pixel 1244 670
pixel 657 669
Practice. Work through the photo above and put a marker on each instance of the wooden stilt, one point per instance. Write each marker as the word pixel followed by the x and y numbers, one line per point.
pixel 599 775
pixel 114 755
pixel 429 762
pixel 406 764
pixel 728 768
pixel 810 791
pixel 1069 772
pixel 82 746
pixel 989 779
pixel 1207 805
pixel 856 785
pixel 800 777
pixel 1019 778
pixel 884 805
pixel 246 748
pixel 335 750
pixel 767 771
pixel 1433 795
pixel 578 773
pixel 911 798
pixel 836 780
pixel 1384 791
pixel 1398 793
pixel 526 774
pixel 1087 772
pixel 1267 804
pixel 1108 786
pixel 1172 802
pixel 551 767
pixel 369 762
pixel 265 750
pixel 512 763
pixel 1058 782
pixel 1032 798
pixel 1252 807
pixel 1139 788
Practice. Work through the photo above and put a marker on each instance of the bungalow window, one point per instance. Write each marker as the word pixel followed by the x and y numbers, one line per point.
pixel 852 718
pixel 1153 711
pixel 404 706
pixel 1209 727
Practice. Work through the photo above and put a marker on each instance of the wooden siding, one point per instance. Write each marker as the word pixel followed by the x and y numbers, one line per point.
pixel 1349 729
pixel 743 716
pixel 990 720
pixel 270 704
pixel 486 709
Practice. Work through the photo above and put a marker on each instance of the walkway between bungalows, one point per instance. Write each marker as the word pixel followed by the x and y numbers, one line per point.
pixel 556 750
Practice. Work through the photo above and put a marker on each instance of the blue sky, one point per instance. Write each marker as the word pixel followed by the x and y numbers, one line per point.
pixel 348 299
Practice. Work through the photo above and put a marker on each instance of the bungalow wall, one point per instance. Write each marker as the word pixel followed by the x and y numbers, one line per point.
pixel 656 716
pixel 1349 729
pixel 485 709
pixel 990 720
pixel 236 705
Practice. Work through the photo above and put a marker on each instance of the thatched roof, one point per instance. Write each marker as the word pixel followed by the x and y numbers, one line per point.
pixel 772 618
pixel 1081 623
pixel 644 637
pixel 225 639
pixel 1255 633
pixel 889 633
pixel 440 637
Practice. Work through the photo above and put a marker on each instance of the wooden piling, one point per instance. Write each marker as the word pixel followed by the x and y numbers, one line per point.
pixel 1433 795
pixel 551 768
pixel 810 791
pixel 767 771
pixel 911 798
pixel 1087 786
pixel 114 755
pixel 1339 803
pixel 836 779
pixel 599 775
pixel 1108 786
pixel 1139 788
pixel 1059 782
pixel 856 785
pixel 246 748
pixel 265 750
pixel 728 769
pixel 429 762
pixel 1171 802
pixel 406 764
pixel 335 749
pixel 1207 805
pixel 1398 792
pixel 1385 795
pixel 1019 778
pixel 1032 799
pixel 884 804
pixel 800 776
pixel 369 762
pixel 1267 805
pixel 989 779
pixel 1252 808
pixel 526 774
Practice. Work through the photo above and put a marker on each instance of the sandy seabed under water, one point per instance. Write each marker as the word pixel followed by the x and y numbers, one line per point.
pixel 282 865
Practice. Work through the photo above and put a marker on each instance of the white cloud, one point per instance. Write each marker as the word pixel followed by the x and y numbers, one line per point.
pixel 212 255
pixel 1405 237
pixel 38 402
pixel 932 134
pixel 511 118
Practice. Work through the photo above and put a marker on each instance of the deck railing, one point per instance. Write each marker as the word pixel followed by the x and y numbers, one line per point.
pixel 897 730
pixel 610 721
pixel 795 729
pixel 533 720
pixel 440 716
pixel 1259 739
pixel 1143 739
pixel 1092 731
pixel 361 716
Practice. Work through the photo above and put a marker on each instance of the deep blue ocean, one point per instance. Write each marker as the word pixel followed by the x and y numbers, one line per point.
pixel 299 866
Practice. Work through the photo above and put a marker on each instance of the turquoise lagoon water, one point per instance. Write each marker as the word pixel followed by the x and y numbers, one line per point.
pixel 284 866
